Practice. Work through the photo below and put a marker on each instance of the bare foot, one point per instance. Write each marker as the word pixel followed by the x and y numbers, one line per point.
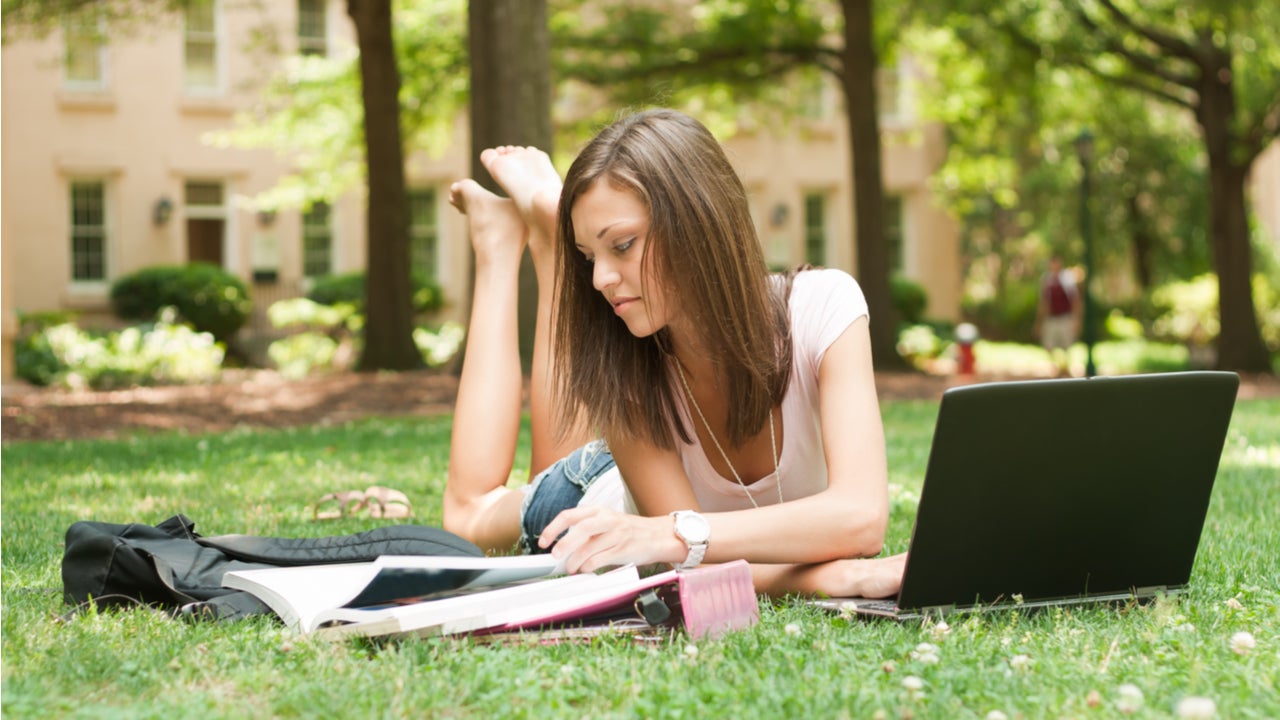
pixel 529 178
pixel 495 225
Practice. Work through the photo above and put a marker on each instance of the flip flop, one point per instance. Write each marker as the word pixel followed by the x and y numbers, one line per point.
pixel 340 504
pixel 387 503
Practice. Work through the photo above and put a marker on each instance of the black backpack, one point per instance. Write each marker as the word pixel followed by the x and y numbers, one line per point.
pixel 171 567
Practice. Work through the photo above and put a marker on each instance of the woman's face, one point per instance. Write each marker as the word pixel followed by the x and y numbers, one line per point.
pixel 611 228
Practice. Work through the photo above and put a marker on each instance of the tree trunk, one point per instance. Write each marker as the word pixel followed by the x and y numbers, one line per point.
pixel 510 49
pixel 868 191
pixel 1240 345
pixel 388 330
pixel 1140 241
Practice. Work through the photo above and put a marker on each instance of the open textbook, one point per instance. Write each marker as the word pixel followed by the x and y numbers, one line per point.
pixel 309 595
pixel 706 601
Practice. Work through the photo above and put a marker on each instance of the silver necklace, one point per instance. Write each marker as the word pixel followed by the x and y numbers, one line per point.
pixel 772 441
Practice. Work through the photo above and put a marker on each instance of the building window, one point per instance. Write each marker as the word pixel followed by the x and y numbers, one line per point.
pixel 888 92
pixel 85 62
pixel 312 28
pixel 815 96
pixel 317 241
pixel 815 228
pixel 202 46
pixel 88 231
pixel 423 232
pixel 893 233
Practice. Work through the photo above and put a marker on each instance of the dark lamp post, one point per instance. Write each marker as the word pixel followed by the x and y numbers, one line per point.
pixel 1084 151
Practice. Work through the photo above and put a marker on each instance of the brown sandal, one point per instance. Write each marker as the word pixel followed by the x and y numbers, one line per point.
pixel 387 503
pixel 343 503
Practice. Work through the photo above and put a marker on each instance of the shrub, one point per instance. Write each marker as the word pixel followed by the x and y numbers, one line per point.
pixel 1187 311
pixel 299 355
pixel 918 344
pixel 163 352
pixel 348 288
pixel 909 298
pixel 211 299
pixel 1012 318
pixel 439 347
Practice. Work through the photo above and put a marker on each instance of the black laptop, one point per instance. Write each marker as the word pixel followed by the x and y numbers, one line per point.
pixel 1052 492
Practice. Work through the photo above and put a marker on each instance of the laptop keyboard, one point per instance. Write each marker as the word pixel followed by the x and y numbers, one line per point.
pixel 889 606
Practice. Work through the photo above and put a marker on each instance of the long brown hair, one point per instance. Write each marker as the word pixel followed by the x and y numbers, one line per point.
pixel 702 243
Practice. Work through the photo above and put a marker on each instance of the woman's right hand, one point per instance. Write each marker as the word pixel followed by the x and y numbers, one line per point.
pixel 864 577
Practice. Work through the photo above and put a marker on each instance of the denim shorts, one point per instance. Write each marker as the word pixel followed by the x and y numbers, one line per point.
pixel 559 488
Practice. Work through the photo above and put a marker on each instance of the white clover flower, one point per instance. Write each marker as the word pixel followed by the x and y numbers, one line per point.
pixel 691 650
pixel 1234 604
pixel 888 667
pixel 997 715
pixel 1197 708
pixel 1020 662
pixel 1093 699
pixel 791 629
pixel 913 683
pixel 926 653
pixel 940 630
pixel 1130 698
pixel 567 670
pixel 1242 643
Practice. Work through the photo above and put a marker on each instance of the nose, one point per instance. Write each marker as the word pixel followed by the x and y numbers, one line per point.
pixel 603 276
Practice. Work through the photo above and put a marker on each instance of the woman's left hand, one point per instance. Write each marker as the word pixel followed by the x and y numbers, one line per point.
pixel 595 537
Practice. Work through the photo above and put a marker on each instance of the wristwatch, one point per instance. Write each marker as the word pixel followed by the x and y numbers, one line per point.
pixel 695 531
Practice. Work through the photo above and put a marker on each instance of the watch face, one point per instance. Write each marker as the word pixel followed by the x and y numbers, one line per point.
pixel 693 527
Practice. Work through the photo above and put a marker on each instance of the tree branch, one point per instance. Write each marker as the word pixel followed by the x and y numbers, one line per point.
pixel 1145 63
pixel 1172 44
pixel 1135 84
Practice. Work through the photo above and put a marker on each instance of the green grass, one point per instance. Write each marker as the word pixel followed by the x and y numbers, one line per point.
pixel 1110 357
pixel 796 663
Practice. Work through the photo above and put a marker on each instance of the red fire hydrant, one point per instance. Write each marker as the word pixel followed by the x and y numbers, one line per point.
pixel 966 336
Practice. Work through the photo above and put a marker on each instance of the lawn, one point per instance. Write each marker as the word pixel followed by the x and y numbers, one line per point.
pixel 796 663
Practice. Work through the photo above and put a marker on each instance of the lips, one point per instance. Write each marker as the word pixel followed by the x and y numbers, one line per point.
pixel 620 304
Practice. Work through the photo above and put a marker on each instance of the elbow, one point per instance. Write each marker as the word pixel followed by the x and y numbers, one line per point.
pixel 862 536
pixel 456 517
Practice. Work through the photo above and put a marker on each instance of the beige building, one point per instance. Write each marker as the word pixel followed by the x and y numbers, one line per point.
pixel 107 168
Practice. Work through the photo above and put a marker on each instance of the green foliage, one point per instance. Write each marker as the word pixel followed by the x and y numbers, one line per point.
pixel 331 340
pixel 301 354
pixel 796 663
pixel 909 298
pixel 348 289
pixel 1011 317
pixel 439 347
pixel 163 352
pixel 210 298
pixel 918 344
pixel 1187 312
pixel 305 312
pixel 311 111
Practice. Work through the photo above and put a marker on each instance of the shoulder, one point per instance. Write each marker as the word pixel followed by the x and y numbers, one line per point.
pixel 827 289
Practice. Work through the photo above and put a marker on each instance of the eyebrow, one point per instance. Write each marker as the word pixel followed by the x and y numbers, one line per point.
pixel 605 229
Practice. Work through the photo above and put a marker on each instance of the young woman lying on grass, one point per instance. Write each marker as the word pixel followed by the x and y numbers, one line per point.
pixel 739 406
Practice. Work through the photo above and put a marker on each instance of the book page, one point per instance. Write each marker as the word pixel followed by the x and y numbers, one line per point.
pixel 478 610
pixel 299 594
